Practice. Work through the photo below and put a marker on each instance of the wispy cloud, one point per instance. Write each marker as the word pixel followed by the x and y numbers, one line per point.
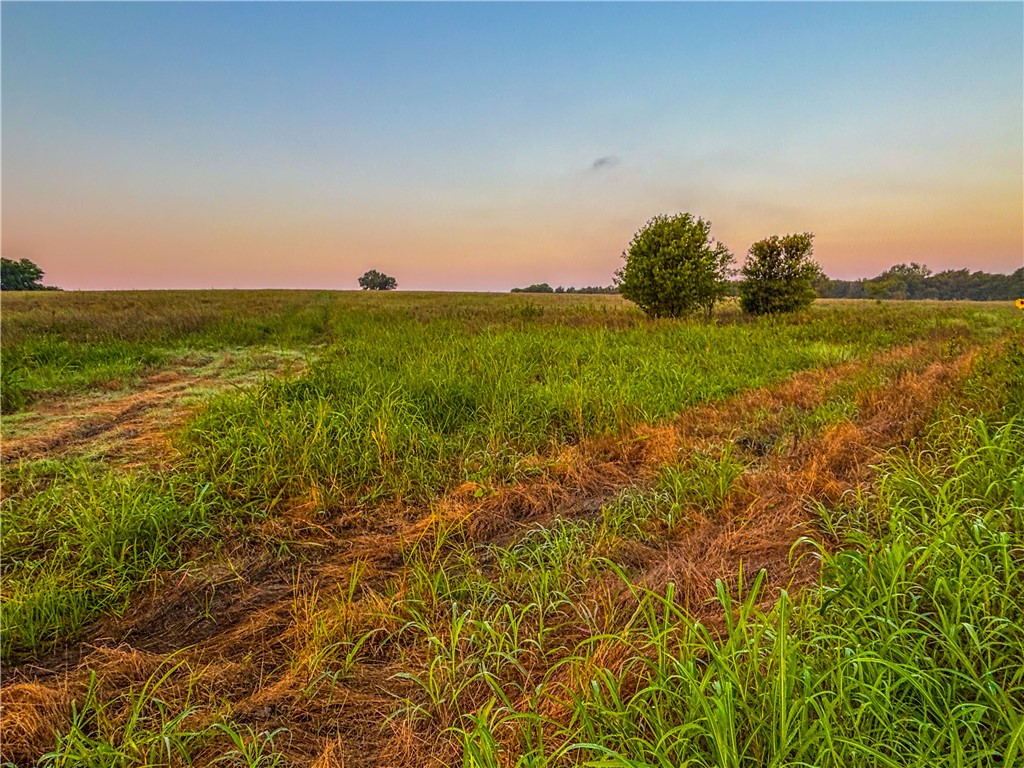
pixel 604 162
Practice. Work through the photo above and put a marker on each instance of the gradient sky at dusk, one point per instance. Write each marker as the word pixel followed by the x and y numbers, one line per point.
pixel 483 146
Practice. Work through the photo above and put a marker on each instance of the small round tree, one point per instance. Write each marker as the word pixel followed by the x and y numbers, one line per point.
pixel 779 275
pixel 674 267
pixel 377 281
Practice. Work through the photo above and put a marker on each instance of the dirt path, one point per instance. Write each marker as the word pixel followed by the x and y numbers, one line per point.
pixel 233 621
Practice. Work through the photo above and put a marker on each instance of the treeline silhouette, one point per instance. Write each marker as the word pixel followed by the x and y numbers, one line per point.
pixel 902 281
pixel 545 288
pixel 915 281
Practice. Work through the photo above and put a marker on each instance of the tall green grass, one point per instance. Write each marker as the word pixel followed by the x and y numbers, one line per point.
pixel 68 341
pixel 910 653
pixel 78 541
pixel 408 396
pixel 910 649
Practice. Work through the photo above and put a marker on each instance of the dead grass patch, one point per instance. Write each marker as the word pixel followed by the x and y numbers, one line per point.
pixel 31 714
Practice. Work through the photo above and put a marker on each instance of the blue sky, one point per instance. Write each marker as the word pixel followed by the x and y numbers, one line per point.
pixel 481 146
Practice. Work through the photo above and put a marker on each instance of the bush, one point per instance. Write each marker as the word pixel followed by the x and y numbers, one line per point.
pixel 779 275
pixel 674 267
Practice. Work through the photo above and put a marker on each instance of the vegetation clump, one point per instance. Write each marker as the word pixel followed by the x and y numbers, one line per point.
pixel 779 275
pixel 674 267
pixel 535 288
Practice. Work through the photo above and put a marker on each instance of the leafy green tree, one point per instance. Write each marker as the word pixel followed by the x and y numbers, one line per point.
pixel 674 267
pixel 535 288
pixel 21 275
pixel 902 281
pixel 377 281
pixel 779 275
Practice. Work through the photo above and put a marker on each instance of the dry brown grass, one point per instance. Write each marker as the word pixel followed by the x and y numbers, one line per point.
pixel 31 714
pixel 771 508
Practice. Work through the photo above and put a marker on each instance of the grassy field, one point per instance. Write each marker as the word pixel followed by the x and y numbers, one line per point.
pixel 337 529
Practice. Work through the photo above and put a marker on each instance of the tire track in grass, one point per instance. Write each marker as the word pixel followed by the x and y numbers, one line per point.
pixel 773 504
pixel 237 624
pixel 770 508
pixel 131 429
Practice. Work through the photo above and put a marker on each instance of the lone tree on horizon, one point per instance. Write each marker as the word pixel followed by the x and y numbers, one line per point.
pixel 377 281
pixel 674 267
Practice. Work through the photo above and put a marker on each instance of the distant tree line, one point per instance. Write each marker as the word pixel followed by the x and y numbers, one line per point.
pixel 22 275
pixel 545 288
pixel 916 281
pixel 902 281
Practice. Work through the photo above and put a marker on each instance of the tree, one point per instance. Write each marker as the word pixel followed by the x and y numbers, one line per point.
pixel 377 281
pixel 20 276
pixel 902 281
pixel 674 267
pixel 779 275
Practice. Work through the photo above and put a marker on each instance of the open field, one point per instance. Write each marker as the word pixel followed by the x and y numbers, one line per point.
pixel 345 529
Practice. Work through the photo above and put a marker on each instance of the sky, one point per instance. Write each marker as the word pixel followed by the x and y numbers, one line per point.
pixel 468 146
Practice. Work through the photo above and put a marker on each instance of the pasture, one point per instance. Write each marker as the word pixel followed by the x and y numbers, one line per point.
pixel 353 529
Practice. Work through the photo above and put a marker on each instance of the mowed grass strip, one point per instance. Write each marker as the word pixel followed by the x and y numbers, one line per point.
pixel 63 343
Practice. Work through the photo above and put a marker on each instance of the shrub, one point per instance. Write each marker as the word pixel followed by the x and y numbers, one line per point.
pixel 779 275
pixel 674 267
